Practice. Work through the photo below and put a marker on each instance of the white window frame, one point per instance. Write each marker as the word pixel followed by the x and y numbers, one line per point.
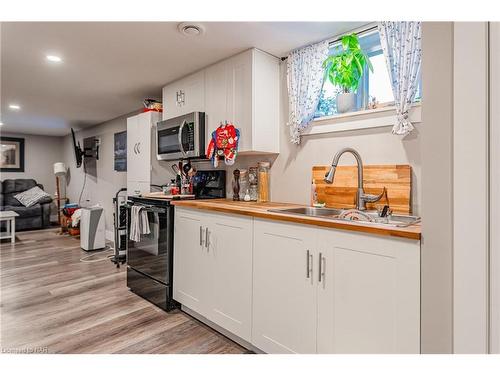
pixel 365 119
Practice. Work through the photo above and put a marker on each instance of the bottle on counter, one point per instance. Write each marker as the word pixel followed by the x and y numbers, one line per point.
pixel 243 184
pixel 173 187
pixel 314 193
pixel 236 185
pixel 264 181
pixel 253 187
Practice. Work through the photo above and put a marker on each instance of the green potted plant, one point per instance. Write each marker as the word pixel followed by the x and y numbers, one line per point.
pixel 345 70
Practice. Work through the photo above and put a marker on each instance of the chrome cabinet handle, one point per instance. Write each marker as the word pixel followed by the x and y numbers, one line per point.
pixel 179 98
pixel 319 273
pixel 308 268
pixel 138 148
pixel 307 264
pixel 207 239
pixel 322 262
pixel 311 265
pixel 201 235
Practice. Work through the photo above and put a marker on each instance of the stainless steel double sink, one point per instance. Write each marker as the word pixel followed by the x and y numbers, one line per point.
pixel 364 217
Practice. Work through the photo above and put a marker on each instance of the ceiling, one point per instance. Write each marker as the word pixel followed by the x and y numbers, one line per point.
pixel 108 68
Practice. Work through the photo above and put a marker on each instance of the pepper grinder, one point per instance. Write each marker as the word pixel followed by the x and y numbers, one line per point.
pixel 236 185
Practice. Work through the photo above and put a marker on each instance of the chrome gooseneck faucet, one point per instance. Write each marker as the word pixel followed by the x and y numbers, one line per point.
pixel 361 197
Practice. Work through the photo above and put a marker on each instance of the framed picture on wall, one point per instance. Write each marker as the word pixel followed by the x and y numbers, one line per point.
pixel 11 154
pixel 121 151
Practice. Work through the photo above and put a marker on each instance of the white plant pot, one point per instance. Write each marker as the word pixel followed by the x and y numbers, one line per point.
pixel 346 102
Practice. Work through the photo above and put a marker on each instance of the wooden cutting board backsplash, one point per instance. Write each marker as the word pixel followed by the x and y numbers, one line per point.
pixel 342 193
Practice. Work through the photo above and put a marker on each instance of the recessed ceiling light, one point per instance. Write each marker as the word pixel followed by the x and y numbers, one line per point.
pixel 15 107
pixel 1 123
pixel 190 29
pixel 53 58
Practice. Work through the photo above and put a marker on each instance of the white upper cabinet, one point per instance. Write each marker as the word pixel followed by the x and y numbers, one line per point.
pixel 229 96
pixel 140 146
pixel 184 96
pixel 243 90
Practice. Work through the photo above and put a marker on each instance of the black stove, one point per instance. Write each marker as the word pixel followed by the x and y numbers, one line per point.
pixel 150 260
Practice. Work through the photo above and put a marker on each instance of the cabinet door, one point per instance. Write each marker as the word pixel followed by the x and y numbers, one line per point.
pixel 239 97
pixel 284 291
pixel 369 295
pixel 171 108
pixel 191 273
pixel 193 89
pixel 216 96
pixel 142 151
pixel 132 141
pixel 230 253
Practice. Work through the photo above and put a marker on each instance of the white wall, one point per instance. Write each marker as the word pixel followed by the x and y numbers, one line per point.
pixel 102 189
pixel 470 184
pixel 291 170
pixel 437 181
pixel 494 283
pixel 40 154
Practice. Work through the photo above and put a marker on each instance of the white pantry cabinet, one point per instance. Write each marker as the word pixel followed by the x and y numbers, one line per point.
pixel 139 150
pixel 329 291
pixel 213 267
pixel 244 90
pixel 368 293
pixel 184 96
pixel 284 291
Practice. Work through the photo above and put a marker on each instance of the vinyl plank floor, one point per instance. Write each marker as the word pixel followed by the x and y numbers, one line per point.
pixel 51 300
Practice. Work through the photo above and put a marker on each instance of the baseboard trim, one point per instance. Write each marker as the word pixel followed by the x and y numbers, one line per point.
pixel 221 330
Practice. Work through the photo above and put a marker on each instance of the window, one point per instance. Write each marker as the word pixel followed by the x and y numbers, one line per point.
pixel 372 85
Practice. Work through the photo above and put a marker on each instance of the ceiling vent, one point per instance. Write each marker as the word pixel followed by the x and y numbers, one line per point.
pixel 190 29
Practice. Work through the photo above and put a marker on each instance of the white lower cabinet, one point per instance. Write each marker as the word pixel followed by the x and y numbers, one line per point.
pixel 191 275
pixel 291 288
pixel 284 291
pixel 369 293
pixel 213 268
pixel 329 291
pixel 230 255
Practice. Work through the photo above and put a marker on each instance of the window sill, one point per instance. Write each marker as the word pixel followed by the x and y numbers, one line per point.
pixel 366 119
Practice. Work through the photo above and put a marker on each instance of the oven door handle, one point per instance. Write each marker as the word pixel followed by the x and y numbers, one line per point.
pixel 181 147
pixel 147 208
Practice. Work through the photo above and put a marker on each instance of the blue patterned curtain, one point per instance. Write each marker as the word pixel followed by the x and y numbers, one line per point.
pixel 401 43
pixel 305 76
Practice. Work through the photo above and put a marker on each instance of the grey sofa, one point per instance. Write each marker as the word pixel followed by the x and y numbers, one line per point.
pixel 34 217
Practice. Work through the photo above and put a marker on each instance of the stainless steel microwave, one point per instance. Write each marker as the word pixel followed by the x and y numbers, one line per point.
pixel 181 137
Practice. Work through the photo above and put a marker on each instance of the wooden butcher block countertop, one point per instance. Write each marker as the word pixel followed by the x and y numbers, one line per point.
pixel 260 210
